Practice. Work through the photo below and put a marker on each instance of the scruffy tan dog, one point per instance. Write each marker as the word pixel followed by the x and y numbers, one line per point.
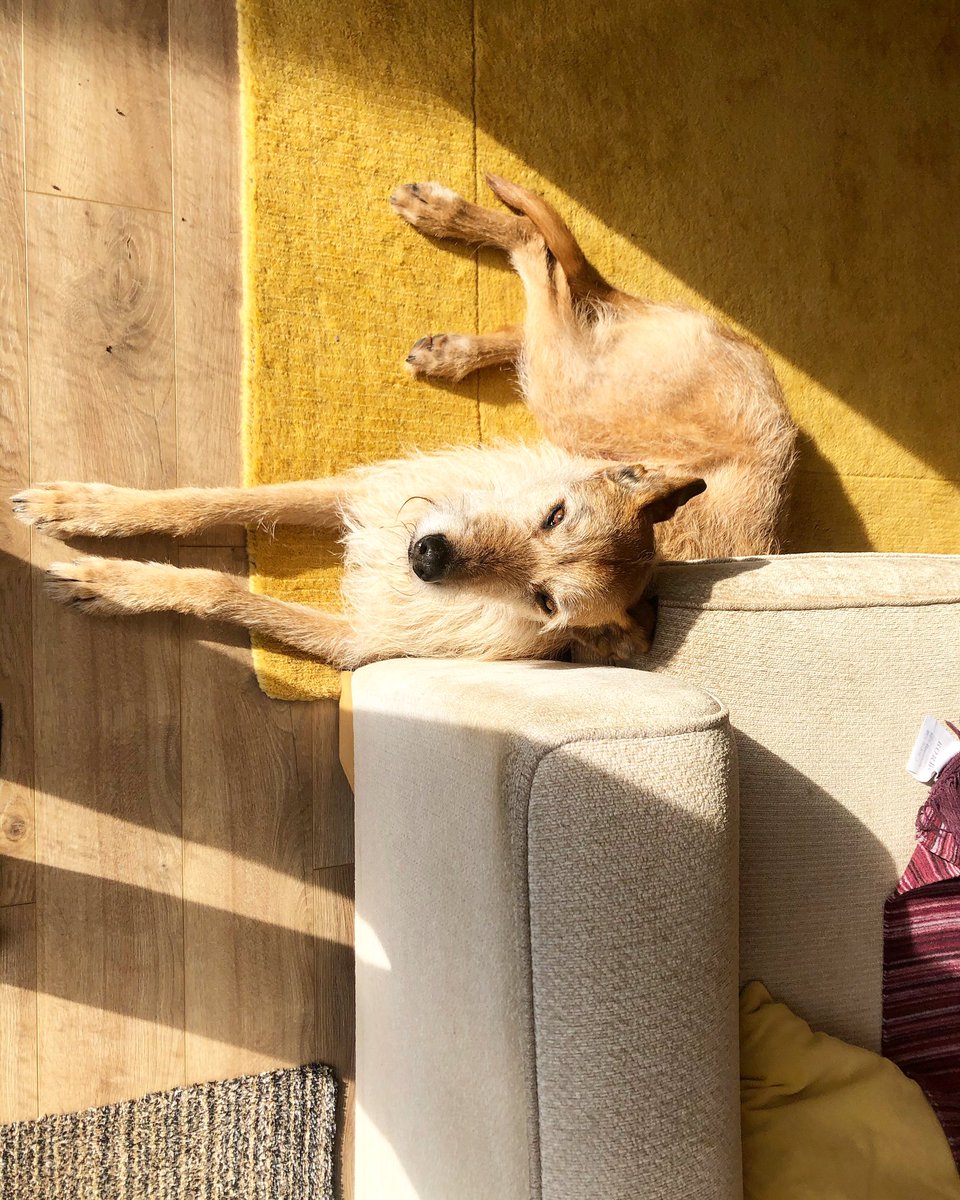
pixel 505 552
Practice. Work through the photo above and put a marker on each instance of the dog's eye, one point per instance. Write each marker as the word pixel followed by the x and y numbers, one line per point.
pixel 555 516
pixel 546 602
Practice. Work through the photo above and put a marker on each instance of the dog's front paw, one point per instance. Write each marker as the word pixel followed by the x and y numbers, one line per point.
pixel 105 586
pixel 64 510
pixel 441 356
pixel 612 645
pixel 429 207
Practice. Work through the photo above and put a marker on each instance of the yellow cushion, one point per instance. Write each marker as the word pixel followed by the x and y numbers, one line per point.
pixel 822 1120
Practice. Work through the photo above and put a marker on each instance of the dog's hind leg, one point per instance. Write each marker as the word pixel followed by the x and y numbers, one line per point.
pixel 455 355
pixel 442 213
pixel 110 586
pixel 100 510
pixel 560 283
pixel 582 278
pixel 436 210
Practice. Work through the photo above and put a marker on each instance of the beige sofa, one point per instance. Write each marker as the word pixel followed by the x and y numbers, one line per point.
pixel 550 857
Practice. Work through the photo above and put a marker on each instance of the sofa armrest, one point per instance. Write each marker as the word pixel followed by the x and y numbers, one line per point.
pixel 546 934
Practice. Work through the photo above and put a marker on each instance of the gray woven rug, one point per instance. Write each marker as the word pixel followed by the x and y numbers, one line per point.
pixel 260 1137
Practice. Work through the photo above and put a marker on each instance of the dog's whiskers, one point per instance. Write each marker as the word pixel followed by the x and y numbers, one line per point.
pixel 425 499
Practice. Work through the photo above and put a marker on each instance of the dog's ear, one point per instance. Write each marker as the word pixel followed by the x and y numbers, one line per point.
pixel 671 493
pixel 628 476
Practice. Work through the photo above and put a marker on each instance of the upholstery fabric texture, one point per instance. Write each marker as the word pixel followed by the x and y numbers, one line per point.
pixel 828 663
pixel 546 906
pixel 787 167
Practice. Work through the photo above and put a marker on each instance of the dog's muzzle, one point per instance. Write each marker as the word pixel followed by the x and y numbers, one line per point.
pixel 431 557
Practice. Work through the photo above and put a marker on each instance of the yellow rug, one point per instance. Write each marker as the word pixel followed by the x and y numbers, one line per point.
pixel 791 167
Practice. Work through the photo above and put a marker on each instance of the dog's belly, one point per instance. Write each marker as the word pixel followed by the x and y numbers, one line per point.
pixel 597 386
pixel 666 387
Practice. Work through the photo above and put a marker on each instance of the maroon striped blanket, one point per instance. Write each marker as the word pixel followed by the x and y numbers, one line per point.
pixel 921 957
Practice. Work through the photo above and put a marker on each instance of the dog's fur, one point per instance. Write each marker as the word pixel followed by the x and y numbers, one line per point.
pixel 542 547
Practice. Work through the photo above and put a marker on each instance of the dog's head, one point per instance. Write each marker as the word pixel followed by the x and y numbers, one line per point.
pixel 573 553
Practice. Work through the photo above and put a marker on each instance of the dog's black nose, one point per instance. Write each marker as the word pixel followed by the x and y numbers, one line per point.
pixel 430 557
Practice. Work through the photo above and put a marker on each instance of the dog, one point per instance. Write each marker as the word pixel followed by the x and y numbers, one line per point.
pixel 666 437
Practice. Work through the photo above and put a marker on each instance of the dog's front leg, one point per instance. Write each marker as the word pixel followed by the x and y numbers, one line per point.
pixel 110 586
pixel 443 213
pixel 66 510
pixel 456 355
pixel 614 645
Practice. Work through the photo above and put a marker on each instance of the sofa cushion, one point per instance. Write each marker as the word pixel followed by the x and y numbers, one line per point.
pixel 827 664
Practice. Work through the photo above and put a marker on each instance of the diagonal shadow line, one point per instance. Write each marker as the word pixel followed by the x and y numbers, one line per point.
pixel 139 953
pixel 796 165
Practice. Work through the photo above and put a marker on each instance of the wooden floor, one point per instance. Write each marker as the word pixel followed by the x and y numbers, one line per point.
pixel 176 873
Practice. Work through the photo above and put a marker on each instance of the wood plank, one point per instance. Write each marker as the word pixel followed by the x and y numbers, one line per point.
pixel 336 1007
pixel 16 669
pixel 109 965
pixel 208 238
pixel 97 100
pixel 333 798
pixel 249 956
pixel 207 242
pixel 110 955
pixel 101 343
pixel 113 968
pixel 18 1013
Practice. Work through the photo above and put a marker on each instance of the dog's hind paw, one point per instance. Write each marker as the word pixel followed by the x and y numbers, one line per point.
pixel 441 356
pixel 429 207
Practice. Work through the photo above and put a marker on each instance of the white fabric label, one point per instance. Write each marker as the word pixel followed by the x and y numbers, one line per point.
pixel 936 744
